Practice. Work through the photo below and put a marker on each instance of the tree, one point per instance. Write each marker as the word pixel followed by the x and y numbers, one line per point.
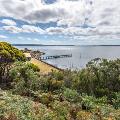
pixel 101 77
pixel 8 55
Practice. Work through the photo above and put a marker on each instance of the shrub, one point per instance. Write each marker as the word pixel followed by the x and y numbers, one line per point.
pixel 99 78
pixel 24 77
pixel 82 115
pixel 71 95
pixel 116 101
pixel 14 107
pixel 62 109
pixel 51 83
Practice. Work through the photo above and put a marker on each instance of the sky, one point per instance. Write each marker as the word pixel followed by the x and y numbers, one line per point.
pixel 60 22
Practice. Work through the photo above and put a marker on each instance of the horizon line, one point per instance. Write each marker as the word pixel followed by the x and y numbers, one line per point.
pixel 59 45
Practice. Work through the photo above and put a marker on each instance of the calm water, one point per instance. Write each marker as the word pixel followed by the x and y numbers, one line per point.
pixel 81 55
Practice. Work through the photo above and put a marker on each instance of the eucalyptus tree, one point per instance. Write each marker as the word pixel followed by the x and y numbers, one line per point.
pixel 8 55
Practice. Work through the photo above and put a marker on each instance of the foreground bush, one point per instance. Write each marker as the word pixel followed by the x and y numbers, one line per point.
pixel 24 77
pixel 14 107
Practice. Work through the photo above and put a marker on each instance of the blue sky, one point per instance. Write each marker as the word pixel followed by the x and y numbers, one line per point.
pixel 79 22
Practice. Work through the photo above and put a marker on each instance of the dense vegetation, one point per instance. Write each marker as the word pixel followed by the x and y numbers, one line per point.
pixel 92 93
pixel 8 55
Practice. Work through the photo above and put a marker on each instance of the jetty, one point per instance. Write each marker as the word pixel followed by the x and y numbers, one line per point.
pixel 44 67
pixel 55 57
pixel 37 58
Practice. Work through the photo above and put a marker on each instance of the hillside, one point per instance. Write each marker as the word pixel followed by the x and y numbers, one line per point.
pixel 92 93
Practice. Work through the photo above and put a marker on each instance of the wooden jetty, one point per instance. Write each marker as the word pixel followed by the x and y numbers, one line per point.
pixel 55 57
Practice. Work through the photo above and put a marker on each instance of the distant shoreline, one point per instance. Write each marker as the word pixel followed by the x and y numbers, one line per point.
pixel 57 45
pixel 38 45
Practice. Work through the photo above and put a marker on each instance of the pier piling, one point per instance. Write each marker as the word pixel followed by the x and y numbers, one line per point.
pixel 56 56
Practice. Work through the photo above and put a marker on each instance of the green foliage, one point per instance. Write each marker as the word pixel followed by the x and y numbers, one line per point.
pixel 83 115
pixel 57 75
pixel 116 100
pixel 101 77
pixel 25 77
pixel 105 76
pixel 34 67
pixel 62 110
pixel 71 95
pixel 52 82
pixel 8 54
pixel 90 102
pixel 46 98
pixel 14 107
pixel 92 93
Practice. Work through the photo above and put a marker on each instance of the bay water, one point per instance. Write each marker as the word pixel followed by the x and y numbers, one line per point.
pixel 81 55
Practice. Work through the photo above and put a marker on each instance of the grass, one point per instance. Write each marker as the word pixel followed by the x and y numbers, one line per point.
pixel 44 68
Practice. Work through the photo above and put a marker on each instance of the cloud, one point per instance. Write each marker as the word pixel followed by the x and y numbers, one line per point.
pixel 8 22
pixel 18 8
pixel 32 29
pixel 79 31
pixel 45 15
pixel 37 11
pixel 65 12
pixel 3 37
pixel 105 13
pixel 23 29
pixel 55 30
pixel 12 29
pixel 92 19
pixel 69 31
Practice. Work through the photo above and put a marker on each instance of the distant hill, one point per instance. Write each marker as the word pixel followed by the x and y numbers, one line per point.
pixel 27 44
pixel 38 45
pixel 57 45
